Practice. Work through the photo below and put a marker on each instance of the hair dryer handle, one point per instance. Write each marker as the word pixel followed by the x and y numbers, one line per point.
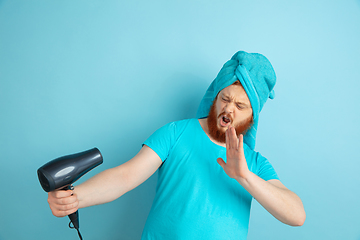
pixel 74 217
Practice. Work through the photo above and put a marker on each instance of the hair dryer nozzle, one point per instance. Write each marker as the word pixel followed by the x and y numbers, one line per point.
pixel 65 170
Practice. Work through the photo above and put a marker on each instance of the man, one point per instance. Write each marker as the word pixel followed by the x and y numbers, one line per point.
pixel 208 169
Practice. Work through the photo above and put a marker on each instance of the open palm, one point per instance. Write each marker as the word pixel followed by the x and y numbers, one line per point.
pixel 235 166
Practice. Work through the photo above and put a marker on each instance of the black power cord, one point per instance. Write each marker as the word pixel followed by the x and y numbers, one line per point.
pixel 74 217
pixel 77 229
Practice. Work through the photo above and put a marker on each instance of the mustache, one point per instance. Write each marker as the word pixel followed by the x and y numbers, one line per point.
pixel 223 114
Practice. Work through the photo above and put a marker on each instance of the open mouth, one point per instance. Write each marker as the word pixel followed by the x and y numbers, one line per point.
pixel 225 121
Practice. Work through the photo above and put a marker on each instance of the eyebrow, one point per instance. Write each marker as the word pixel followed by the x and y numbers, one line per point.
pixel 228 97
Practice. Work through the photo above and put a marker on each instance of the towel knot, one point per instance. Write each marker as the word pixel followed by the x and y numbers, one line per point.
pixel 257 76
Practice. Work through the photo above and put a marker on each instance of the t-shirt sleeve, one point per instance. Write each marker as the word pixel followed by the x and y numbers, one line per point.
pixel 265 170
pixel 162 140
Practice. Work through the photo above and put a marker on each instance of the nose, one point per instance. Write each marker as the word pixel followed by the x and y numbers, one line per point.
pixel 229 108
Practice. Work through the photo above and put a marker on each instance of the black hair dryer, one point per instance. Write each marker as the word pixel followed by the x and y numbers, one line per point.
pixel 61 172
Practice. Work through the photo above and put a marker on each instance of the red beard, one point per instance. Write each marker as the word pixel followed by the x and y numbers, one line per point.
pixel 216 133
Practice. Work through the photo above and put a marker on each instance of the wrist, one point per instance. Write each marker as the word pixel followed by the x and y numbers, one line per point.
pixel 245 179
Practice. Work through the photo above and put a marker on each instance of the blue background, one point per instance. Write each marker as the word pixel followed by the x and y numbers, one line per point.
pixel 80 74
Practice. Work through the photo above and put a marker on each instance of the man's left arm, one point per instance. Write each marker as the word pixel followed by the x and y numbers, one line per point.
pixel 282 203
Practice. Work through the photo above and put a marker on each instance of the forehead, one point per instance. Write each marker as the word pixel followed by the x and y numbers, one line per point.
pixel 236 93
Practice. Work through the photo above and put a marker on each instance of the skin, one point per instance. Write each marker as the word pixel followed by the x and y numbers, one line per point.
pixel 112 183
pixel 282 203
pixel 107 185
pixel 238 111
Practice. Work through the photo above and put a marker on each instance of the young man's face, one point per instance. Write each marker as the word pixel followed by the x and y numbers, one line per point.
pixel 231 107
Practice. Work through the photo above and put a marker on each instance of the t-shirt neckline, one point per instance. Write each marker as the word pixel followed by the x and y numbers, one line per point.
pixel 204 135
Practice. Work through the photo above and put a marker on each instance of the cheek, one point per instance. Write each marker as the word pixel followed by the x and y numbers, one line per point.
pixel 216 109
pixel 219 107
pixel 243 116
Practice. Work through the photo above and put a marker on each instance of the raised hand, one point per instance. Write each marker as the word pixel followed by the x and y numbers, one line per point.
pixel 235 166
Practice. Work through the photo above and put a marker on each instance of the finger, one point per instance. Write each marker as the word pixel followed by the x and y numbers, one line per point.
pixel 60 193
pixel 62 201
pixel 241 141
pixel 61 210
pixel 221 162
pixel 68 200
pixel 241 145
pixel 227 140
pixel 60 213
pixel 68 212
pixel 65 207
pixel 234 142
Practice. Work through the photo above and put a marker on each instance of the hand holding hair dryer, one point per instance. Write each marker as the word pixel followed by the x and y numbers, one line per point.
pixel 62 172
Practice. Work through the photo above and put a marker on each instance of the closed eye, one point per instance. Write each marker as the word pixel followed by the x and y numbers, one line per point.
pixel 225 99
pixel 240 106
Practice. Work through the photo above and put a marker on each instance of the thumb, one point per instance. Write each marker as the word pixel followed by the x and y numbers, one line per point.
pixel 221 162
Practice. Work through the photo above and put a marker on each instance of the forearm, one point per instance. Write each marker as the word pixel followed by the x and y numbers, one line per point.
pixel 113 183
pixel 102 188
pixel 282 203
pixel 107 185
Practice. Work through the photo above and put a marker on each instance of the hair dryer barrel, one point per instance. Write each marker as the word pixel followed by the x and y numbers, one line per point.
pixel 65 170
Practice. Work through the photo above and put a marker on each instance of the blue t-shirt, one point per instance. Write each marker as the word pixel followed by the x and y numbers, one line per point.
pixel 195 199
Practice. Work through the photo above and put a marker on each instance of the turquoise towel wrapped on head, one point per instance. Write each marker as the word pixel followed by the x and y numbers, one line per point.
pixel 256 75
